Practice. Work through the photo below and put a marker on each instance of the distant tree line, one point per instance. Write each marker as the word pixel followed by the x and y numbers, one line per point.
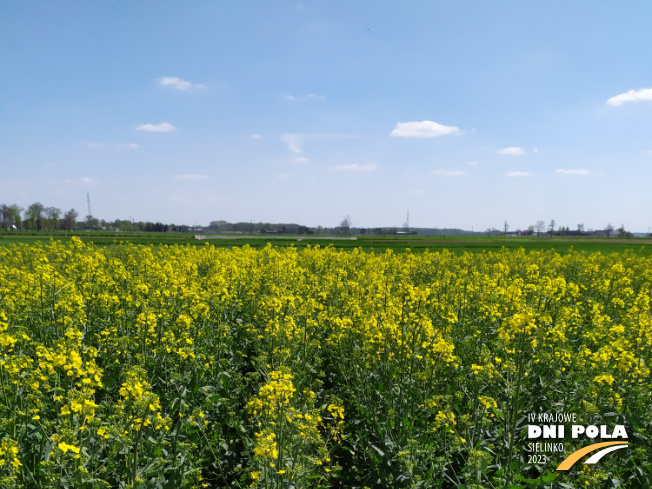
pixel 260 228
pixel 38 217
pixel 553 230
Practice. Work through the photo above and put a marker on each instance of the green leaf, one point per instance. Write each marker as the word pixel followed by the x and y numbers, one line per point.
pixel 549 477
pixel 380 452
pixel 527 481
pixel 498 413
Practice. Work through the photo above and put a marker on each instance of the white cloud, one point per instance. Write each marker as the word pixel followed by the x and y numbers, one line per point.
pixel 576 171
pixel 353 168
pixel 423 129
pixel 644 94
pixel 178 83
pixel 117 146
pixel 511 151
pixel 162 127
pixel 517 174
pixel 301 159
pixel 449 173
pixel 308 96
pixel 82 181
pixel 191 177
pixel 93 145
pixel 255 136
pixel 293 141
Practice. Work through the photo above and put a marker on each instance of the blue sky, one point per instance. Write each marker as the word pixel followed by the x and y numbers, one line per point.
pixel 469 114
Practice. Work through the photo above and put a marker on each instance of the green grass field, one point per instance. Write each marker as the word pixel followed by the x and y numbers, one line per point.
pixel 456 244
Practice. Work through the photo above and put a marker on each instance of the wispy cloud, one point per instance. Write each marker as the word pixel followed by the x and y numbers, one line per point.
pixel 82 181
pixel 178 83
pixel 449 173
pixel 575 171
pixel 472 163
pixel 301 159
pixel 517 174
pixel 308 96
pixel 95 145
pixel 511 151
pixel 162 127
pixel 642 95
pixel 353 168
pixel 255 136
pixel 423 129
pixel 293 141
pixel 191 177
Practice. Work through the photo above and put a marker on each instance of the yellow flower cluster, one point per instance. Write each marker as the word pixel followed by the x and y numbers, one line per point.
pixel 9 454
pixel 274 394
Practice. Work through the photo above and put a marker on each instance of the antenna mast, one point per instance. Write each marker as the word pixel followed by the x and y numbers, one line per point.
pixel 88 200
pixel 406 226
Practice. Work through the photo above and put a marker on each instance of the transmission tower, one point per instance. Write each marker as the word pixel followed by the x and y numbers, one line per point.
pixel 88 200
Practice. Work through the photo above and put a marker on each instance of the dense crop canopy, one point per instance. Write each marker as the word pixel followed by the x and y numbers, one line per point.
pixel 135 366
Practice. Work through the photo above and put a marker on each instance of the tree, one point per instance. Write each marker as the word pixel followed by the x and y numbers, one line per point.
pixel 609 229
pixel 541 227
pixel 506 227
pixel 624 234
pixel 15 212
pixel 345 226
pixel 580 229
pixel 551 227
pixel 91 222
pixel 4 208
pixel 69 219
pixel 34 216
pixel 53 214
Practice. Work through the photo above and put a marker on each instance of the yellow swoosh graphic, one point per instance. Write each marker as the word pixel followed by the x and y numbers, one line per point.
pixel 575 456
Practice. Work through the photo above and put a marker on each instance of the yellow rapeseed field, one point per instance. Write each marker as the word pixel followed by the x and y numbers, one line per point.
pixel 179 367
